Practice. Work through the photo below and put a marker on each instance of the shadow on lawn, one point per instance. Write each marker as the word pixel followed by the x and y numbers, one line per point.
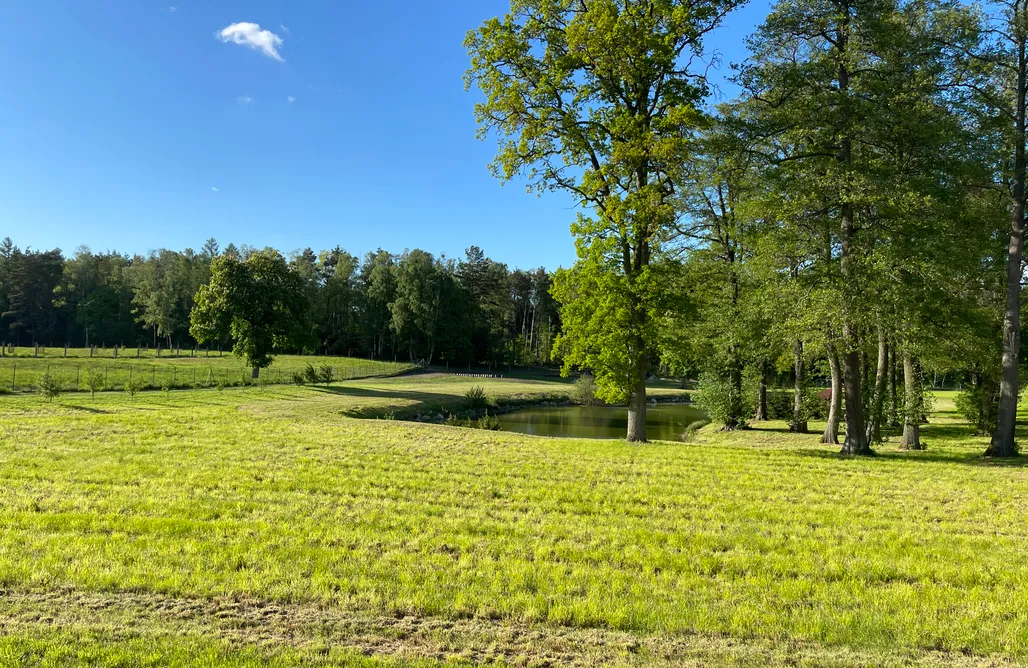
pixel 884 454
pixel 88 409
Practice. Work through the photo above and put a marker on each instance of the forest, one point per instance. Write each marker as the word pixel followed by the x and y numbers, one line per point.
pixel 410 307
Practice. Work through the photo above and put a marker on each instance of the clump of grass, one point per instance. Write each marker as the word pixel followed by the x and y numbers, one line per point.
pixel 689 435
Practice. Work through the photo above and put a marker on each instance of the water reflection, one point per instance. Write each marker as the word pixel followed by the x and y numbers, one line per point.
pixel 664 422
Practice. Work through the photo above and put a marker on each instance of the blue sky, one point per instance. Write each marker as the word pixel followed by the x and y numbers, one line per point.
pixel 131 125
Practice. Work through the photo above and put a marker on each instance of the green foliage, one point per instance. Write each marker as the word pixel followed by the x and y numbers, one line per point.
pixel 722 401
pixel 585 390
pixel 603 104
pixel 326 374
pixel 299 378
pixel 49 386
pixel 134 386
pixel 95 381
pixel 476 397
pixel 485 423
pixel 260 303
pixel 310 375
pixel 978 403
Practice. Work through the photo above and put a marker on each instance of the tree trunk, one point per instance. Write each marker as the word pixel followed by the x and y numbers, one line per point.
pixel 1003 443
pixel 874 426
pixel 911 405
pixel 255 372
pixel 894 407
pixel 799 421
pixel 855 442
pixel 637 405
pixel 761 415
pixel 831 434
pixel 734 419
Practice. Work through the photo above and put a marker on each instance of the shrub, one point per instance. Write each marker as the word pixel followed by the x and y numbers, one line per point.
pixel 722 402
pixel 49 386
pixel 310 374
pixel 584 391
pixel 326 374
pixel 979 404
pixel 779 404
pixel 476 397
pixel 298 378
pixel 134 386
pixel 95 381
pixel 166 388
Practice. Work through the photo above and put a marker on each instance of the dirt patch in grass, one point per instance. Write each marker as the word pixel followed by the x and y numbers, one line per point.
pixel 315 630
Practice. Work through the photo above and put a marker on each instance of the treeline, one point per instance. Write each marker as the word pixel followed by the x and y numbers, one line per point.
pixel 409 306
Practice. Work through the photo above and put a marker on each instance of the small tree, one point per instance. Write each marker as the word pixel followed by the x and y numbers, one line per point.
pixel 95 382
pixel 49 386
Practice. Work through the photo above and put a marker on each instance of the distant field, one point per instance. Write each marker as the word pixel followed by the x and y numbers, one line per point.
pixel 20 372
pixel 265 527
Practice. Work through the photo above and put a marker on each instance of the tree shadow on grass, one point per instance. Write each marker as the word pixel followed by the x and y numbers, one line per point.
pixel 926 456
pixel 88 409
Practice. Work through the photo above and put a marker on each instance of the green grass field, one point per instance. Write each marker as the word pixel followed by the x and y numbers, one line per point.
pixel 267 527
pixel 21 370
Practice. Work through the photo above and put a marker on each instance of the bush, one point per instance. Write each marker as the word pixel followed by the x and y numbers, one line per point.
pixel 779 404
pixel 298 378
pixel 49 386
pixel 722 402
pixel 476 397
pixel 979 405
pixel 326 374
pixel 134 386
pixel 310 374
pixel 584 391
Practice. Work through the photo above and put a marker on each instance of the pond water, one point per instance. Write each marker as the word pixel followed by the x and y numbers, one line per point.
pixel 664 422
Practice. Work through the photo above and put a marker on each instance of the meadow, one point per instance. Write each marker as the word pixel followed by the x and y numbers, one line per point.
pixel 266 526
pixel 20 368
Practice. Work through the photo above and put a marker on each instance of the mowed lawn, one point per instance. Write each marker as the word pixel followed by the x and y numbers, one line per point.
pixel 266 527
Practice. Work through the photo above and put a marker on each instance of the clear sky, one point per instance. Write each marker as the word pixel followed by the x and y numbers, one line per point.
pixel 134 125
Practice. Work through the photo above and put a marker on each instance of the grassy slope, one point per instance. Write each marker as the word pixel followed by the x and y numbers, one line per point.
pixel 22 370
pixel 197 525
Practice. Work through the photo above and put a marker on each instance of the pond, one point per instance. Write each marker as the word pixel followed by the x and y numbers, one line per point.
pixel 664 422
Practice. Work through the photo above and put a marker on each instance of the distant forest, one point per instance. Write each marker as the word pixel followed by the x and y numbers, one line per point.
pixel 411 305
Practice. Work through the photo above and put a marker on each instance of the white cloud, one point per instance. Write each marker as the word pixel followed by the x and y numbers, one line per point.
pixel 172 9
pixel 244 99
pixel 291 99
pixel 251 35
pixel 217 190
pixel 284 28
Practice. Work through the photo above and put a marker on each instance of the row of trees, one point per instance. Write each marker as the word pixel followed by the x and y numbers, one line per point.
pixel 409 306
pixel 858 209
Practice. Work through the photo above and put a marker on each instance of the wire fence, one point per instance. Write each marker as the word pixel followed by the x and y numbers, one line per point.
pixel 108 375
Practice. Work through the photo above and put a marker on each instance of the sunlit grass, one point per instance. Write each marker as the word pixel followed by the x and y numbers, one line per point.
pixel 278 496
